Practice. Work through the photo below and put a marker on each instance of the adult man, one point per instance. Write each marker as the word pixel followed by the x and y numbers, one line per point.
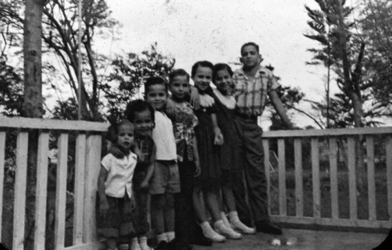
pixel 252 85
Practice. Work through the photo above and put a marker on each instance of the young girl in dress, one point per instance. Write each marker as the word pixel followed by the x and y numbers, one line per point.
pixel 230 160
pixel 141 114
pixel 165 182
pixel 115 188
pixel 208 136
pixel 184 121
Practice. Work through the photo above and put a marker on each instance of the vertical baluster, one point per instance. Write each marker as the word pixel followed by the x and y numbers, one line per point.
pixel 42 181
pixel 352 177
pixel 93 158
pixel 316 177
pixel 61 188
pixel 389 175
pixel 80 160
pixel 282 178
pixel 370 177
pixel 2 161
pixel 267 171
pixel 20 190
pixel 299 192
pixel 333 167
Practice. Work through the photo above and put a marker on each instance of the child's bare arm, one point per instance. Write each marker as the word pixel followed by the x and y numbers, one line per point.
pixel 150 170
pixel 104 205
pixel 195 98
pixel 196 158
pixel 278 105
pixel 218 140
pixel 116 152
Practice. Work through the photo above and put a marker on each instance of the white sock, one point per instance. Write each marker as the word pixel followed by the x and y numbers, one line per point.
pixel 162 237
pixel 143 243
pixel 135 244
pixel 170 236
pixel 225 220
pixel 238 225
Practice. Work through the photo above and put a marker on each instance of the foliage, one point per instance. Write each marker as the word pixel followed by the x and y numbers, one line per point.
pixel 128 75
pixel 11 90
pixel 357 52
pixel 60 36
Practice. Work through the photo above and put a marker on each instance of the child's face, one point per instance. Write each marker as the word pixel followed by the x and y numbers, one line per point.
pixel 223 81
pixel 143 122
pixel 125 138
pixel 179 87
pixel 157 96
pixel 202 78
pixel 250 57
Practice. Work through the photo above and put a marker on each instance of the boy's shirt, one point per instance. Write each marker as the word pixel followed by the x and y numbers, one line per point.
pixel 251 94
pixel 163 136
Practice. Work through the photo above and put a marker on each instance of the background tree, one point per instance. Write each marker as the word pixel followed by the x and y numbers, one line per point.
pixel 60 35
pixel 128 74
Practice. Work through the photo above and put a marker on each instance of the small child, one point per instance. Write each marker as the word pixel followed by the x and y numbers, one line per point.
pixel 230 158
pixel 165 181
pixel 141 114
pixel 208 136
pixel 115 187
pixel 185 121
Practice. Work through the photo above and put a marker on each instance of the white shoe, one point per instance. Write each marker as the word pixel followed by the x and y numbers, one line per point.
pixel 239 226
pixel 209 233
pixel 135 245
pixel 228 232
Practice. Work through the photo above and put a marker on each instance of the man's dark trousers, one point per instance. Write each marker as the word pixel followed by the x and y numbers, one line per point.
pixel 254 174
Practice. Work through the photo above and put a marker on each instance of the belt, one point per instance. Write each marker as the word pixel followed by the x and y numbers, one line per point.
pixel 246 117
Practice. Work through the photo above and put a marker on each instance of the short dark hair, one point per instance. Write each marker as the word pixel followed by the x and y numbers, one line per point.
pixel 137 106
pixel 219 67
pixel 155 80
pixel 250 44
pixel 177 72
pixel 198 64
pixel 112 133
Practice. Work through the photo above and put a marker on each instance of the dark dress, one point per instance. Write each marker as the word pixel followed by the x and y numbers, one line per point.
pixel 229 152
pixel 208 151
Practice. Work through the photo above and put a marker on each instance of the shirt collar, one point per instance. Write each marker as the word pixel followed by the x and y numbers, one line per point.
pixel 261 71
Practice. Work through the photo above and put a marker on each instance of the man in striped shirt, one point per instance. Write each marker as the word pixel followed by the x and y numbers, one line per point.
pixel 252 85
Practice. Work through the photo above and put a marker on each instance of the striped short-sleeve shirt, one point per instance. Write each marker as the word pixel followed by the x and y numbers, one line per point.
pixel 251 94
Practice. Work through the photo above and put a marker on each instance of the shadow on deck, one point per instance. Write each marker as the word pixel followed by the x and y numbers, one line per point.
pixel 305 240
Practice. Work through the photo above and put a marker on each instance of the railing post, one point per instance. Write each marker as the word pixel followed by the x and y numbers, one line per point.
pixel 93 158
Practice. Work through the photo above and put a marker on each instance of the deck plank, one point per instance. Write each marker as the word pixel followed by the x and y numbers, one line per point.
pixel 306 240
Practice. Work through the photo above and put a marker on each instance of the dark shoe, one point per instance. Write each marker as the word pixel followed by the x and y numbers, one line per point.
pixel 162 245
pixel 176 245
pixel 267 227
pixel 202 241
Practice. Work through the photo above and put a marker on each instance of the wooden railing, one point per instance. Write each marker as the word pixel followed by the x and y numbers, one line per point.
pixel 326 188
pixel 87 140
pixel 313 180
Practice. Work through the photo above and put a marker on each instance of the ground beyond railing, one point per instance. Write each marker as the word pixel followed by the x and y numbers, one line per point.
pixel 316 178
pixel 313 180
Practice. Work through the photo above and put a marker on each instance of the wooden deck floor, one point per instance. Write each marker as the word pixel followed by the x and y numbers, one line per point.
pixel 305 240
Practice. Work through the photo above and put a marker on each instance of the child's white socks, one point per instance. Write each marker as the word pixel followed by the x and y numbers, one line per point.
pixel 170 236
pixel 238 225
pixel 210 233
pixel 162 237
pixel 228 232
pixel 134 244
pixel 225 220
pixel 143 243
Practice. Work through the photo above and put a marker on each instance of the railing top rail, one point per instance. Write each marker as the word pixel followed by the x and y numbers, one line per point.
pixel 51 124
pixel 327 132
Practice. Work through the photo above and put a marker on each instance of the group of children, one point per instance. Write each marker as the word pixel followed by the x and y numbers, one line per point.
pixel 184 158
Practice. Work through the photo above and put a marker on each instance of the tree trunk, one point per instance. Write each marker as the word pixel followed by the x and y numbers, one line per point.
pixel 33 101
